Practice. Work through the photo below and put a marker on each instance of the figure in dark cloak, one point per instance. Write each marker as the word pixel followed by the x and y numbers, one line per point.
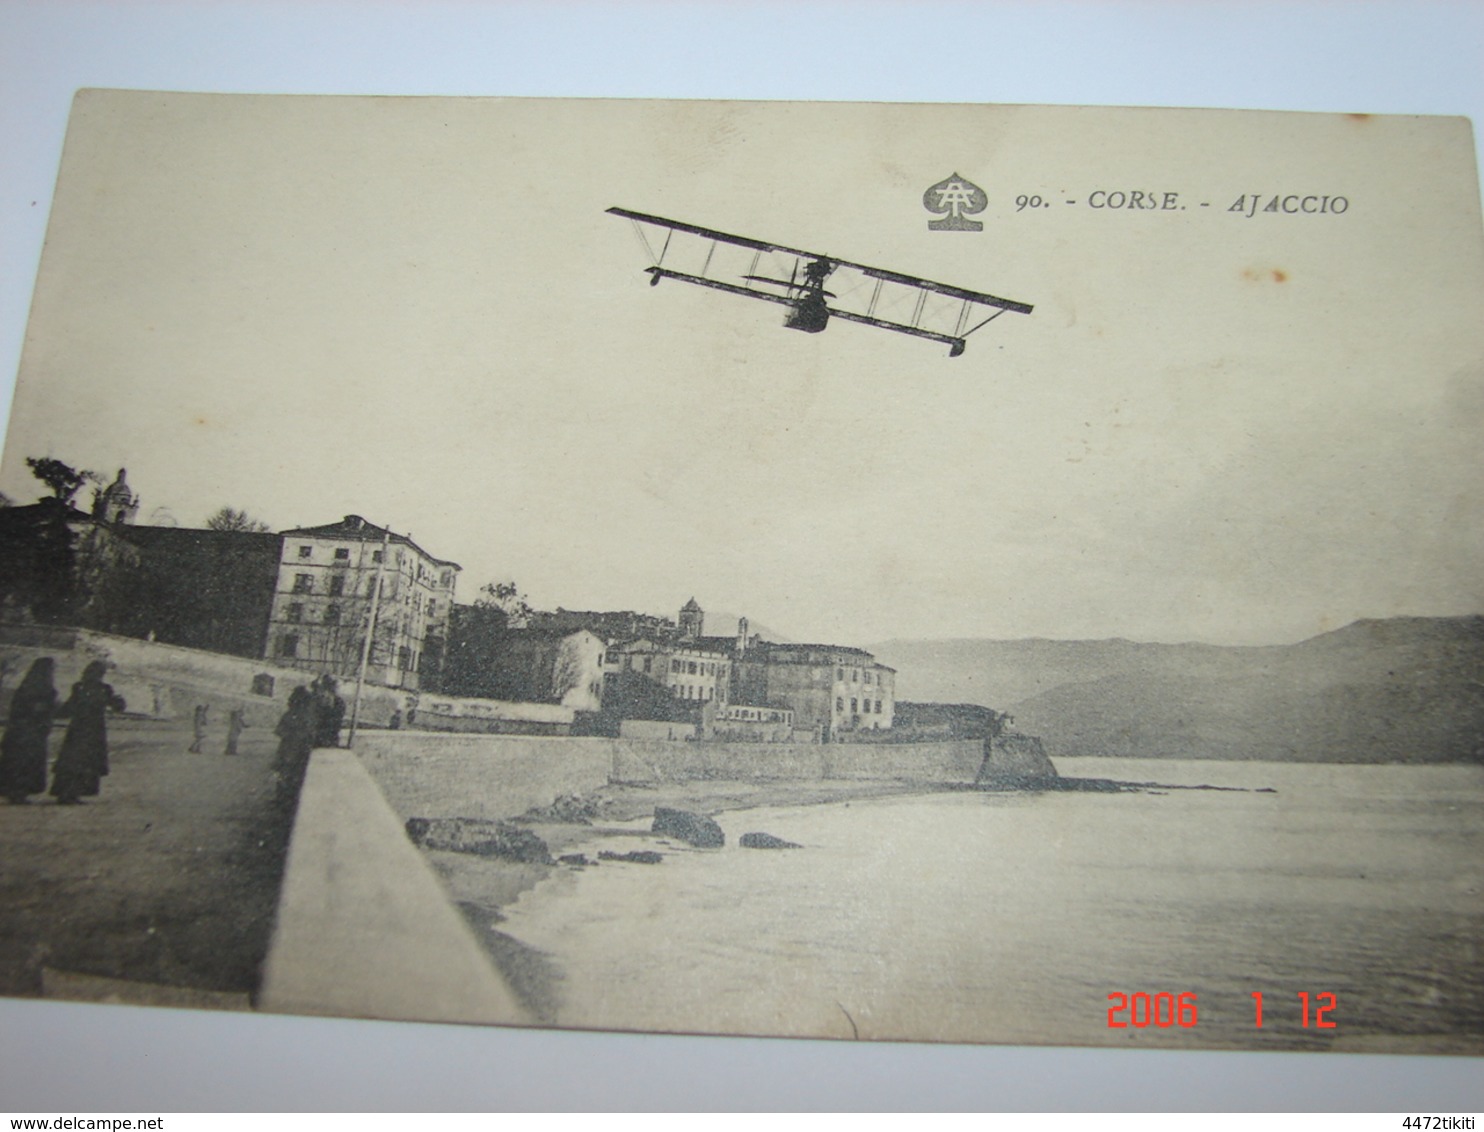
pixel 236 725
pixel 27 728
pixel 295 731
pixel 83 760
pixel 329 712
pixel 198 724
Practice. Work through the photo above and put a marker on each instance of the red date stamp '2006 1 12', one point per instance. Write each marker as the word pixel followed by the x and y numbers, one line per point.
pixel 1163 1010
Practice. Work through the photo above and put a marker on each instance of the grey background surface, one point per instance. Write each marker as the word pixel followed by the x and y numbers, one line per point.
pixel 1379 58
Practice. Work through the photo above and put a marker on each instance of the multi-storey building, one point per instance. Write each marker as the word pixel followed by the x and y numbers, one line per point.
pixel 691 671
pixel 329 579
pixel 833 688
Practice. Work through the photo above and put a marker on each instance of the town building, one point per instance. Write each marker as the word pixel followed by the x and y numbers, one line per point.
pixel 831 690
pixel 620 625
pixel 835 689
pixel 332 578
pixel 63 566
pixel 203 589
pixel 749 723
pixel 688 669
pixel 547 667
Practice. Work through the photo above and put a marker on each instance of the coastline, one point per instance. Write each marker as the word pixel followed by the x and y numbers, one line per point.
pixel 482 886
pixel 491 882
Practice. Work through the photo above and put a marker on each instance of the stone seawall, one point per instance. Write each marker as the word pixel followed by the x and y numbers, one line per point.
pixel 641 761
pixel 426 774
pixel 499 776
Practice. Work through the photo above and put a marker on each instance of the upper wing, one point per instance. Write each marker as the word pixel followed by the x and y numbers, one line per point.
pixel 857 292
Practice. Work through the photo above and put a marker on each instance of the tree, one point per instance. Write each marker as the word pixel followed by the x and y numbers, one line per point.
pixel 64 480
pixel 507 598
pixel 230 519
pixel 471 660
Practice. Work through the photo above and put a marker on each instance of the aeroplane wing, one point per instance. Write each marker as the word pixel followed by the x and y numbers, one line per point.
pixel 856 292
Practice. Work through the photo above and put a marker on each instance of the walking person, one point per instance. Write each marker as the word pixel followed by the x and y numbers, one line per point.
pixel 236 725
pixel 83 760
pixel 199 723
pixel 27 728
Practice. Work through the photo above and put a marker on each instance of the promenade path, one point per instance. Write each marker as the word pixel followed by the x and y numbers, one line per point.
pixel 168 880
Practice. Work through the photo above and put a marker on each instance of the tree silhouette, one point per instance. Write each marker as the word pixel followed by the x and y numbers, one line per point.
pixel 63 479
pixel 507 598
pixel 230 519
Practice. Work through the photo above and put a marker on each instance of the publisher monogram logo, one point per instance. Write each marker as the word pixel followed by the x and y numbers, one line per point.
pixel 955 199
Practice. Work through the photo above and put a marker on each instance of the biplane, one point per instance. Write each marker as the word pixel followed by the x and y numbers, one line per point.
pixel 797 280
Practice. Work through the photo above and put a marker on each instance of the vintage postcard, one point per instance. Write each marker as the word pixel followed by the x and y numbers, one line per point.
pixel 884 572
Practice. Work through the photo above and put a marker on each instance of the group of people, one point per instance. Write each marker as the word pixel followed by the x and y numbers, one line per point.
pixel 236 725
pixel 83 760
pixel 314 717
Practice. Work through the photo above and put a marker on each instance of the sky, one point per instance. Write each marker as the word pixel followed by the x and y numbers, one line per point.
pixel 1212 426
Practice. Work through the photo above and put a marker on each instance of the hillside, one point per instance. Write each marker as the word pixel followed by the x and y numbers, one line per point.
pixel 1396 690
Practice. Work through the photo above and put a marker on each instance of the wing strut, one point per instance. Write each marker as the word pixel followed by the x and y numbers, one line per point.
pixel 811 306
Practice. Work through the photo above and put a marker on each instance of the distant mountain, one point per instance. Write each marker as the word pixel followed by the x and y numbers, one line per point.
pixel 1397 690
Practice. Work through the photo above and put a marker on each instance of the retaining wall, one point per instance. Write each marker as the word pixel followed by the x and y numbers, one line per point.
pixel 637 760
pixel 158 680
pixel 499 776
pixel 364 927
pixel 426 774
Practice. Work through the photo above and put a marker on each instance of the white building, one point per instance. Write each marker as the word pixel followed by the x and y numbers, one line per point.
pixel 328 580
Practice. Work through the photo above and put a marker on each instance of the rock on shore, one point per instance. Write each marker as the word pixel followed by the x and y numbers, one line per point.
pixel 637 857
pixel 480 837
pixel 766 841
pixel 693 829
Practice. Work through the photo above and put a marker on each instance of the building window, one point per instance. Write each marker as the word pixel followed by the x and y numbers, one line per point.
pixel 853 707
pixel 295 612
pixel 855 675
pixel 332 615
pixel 447 578
pixel 839 703
pixel 647 661
pixel 878 707
pixel 867 679
pixel 303 583
pixel 306 552
pixel 404 657
pixel 840 675
pixel 342 554
pixel 376 556
pixel 288 644
pixel 337 585
pixel 432 608
pixel 691 668
pixel 675 666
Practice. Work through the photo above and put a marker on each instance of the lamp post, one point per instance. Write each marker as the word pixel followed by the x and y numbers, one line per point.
pixel 355 709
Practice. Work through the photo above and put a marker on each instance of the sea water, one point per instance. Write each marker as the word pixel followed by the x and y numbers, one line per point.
pixel 1018 917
